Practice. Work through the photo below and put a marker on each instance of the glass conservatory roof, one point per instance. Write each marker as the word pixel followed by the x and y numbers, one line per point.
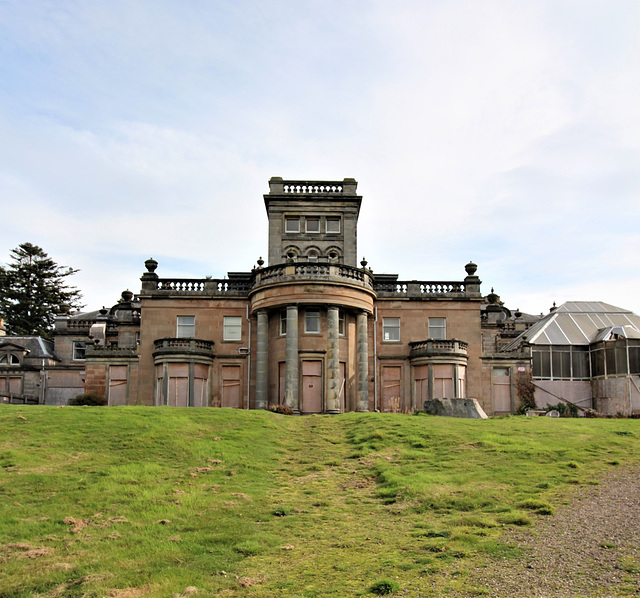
pixel 580 323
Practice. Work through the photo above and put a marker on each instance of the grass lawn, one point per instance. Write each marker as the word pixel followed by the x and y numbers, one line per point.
pixel 140 501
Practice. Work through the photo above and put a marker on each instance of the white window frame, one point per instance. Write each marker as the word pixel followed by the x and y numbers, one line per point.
pixel 391 330
pixel 306 225
pixel 283 322
pixel 438 329
pixel 9 359
pixel 232 328
pixel 79 348
pixel 311 315
pixel 342 325
pixel 333 220
pixel 289 220
pixel 185 327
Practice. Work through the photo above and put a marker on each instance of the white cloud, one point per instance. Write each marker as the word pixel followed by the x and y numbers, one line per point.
pixel 506 133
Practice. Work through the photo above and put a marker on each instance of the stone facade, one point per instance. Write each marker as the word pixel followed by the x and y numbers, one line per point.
pixel 312 328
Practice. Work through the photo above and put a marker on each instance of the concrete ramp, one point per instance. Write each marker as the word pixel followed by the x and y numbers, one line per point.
pixel 468 408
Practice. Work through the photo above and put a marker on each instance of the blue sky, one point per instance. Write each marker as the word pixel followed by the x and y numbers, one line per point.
pixel 507 133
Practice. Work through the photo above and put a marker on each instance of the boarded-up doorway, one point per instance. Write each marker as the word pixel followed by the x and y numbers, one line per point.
pixel 421 381
pixel 231 387
pixel 312 386
pixel 118 385
pixel 391 389
pixel 501 390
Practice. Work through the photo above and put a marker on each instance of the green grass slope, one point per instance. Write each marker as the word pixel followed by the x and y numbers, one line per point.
pixel 135 502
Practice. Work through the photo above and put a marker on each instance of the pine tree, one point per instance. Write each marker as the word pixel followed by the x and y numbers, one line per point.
pixel 33 290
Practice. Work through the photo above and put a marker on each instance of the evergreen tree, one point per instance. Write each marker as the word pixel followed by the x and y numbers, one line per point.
pixel 33 290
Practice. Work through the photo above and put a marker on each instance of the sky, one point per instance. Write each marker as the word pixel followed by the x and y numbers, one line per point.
pixel 506 133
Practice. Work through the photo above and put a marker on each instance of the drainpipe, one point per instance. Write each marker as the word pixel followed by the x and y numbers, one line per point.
pixel 375 359
pixel 249 361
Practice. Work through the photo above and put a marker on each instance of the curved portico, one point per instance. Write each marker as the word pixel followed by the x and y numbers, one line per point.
pixel 294 295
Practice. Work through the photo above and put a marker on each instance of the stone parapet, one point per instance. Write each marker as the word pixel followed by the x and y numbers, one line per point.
pixel 183 347
pixel 432 347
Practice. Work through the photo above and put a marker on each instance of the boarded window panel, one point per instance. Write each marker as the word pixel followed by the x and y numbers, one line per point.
pixel 443 381
pixel 462 382
pixel 178 392
pixel 391 389
pixel 15 385
pixel 231 387
pixel 421 384
pixel 200 385
pixel 118 385
pixel 281 381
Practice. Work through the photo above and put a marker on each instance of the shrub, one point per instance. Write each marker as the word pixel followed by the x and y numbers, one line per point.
pixel 94 400
pixel 525 391
pixel 283 409
pixel 564 409
pixel 384 586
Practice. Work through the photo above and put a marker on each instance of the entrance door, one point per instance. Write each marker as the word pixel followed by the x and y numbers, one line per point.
pixel 312 386
pixel 501 390
pixel 231 386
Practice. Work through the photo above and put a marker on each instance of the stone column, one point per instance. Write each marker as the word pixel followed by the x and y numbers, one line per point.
pixel 362 357
pixel 332 403
pixel 262 361
pixel 291 367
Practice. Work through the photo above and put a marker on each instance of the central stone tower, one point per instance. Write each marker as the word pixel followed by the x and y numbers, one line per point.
pixel 313 221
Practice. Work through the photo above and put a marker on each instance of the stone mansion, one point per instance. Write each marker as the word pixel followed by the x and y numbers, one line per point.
pixel 312 329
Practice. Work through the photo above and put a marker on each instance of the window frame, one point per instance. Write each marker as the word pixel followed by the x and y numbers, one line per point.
pixel 390 324
pixel 433 326
pixel 291 219
pixel 311 315
pixel 182 326
pixel 78 348
pixel 231 330
pixel 306 225
pixel 333 220
pixel 342 323
pixel 283 322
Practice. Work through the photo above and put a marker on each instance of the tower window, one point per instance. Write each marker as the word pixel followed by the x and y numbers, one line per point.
pixel 312 321
pixel 313 225
pixel 333 225
pixel 292 225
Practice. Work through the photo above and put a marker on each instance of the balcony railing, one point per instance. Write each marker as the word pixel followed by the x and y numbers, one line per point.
pixel 203 286
pixel 183 346
pixel 310 271
pixel 418 288
pixel 432 347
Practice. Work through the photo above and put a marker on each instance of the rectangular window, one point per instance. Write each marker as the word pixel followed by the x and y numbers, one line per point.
pixel 341 323
pixel 292 225
pixel 313 225
pixel 186 327
pixel 542 362
pixel 312 321
pixel 438 328
pixel 79 349
pixel 391 329
pixel 333 225
pixel 283 322
pixel 560 362
pixel 232 330
pixel 580 363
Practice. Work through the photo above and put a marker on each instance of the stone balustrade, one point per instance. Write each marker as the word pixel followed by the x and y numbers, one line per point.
pixel 183 346
pixel 110 352
pixel 417 288
pixel 431 347
pixel 202 286
pixel 309 271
